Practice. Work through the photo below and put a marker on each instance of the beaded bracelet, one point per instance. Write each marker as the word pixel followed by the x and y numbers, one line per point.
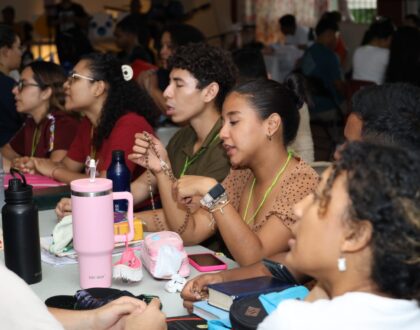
pixel 217 207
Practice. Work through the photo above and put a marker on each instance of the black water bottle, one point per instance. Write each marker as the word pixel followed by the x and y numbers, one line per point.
pixel 119 173
pixel 22 251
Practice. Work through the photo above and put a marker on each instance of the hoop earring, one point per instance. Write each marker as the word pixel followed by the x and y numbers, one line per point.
pixel 341 264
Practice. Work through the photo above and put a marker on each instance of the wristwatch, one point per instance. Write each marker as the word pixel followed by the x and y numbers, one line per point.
pixel 213 196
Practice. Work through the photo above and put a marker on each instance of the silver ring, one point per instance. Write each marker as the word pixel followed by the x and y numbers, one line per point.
pixel 91 194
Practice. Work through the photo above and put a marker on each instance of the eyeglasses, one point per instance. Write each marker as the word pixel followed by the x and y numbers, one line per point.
pixel 22 84
pixel 75 76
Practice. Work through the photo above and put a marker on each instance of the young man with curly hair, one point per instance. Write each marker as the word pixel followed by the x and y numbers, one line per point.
pixel 200 77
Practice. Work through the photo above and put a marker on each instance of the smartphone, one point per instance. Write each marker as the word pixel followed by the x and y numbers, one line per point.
pixel 206 262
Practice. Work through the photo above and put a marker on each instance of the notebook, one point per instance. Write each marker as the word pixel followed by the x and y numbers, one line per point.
pixel 36 181
pixel 209 312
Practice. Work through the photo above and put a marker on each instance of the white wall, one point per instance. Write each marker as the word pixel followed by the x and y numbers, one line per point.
pixel 352 34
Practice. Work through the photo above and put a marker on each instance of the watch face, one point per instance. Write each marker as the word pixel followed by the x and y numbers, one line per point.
pixel 207 200
pixel 205 203
pixel 216 191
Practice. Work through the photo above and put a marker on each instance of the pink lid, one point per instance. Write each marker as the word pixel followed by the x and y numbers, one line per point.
pixel 84 185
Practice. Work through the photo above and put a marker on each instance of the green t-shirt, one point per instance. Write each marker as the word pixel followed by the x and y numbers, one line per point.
pixel 210 160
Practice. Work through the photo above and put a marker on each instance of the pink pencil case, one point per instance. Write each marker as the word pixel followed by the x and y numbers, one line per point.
pixel 164 255
pixel 35 180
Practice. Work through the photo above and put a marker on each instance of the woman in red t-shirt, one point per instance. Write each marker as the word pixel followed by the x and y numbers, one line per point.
pixel 115 108
pixel 48 130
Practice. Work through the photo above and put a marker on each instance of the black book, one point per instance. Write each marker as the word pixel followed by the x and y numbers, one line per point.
pixel 222 295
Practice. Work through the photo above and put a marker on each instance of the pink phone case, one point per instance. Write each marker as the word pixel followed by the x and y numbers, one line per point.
pixel 209 268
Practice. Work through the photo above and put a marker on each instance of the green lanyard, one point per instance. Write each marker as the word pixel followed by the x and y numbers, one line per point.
pixel 35 140
pixel 267 192
pixel 92 154
pixel 189 161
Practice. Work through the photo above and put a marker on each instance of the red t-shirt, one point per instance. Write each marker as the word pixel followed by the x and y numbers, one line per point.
pixel 121 137
pixel 65 128
pixel 341 50
pixel 139 66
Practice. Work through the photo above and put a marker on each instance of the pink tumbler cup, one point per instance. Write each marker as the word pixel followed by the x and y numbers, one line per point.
pixel 93 229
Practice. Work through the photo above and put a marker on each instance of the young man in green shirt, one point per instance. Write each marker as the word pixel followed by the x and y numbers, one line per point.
pixel 200 78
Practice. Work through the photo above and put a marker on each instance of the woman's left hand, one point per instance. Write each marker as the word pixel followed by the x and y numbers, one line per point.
pixel 24 164
pixel 188 186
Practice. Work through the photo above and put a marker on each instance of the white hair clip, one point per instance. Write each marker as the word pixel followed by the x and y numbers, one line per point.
pixel 127 72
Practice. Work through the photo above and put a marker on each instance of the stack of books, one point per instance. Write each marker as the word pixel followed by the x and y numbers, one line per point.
pixel 222 295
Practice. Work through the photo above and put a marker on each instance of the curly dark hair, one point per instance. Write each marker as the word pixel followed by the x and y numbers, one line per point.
pixel 390 114
pixel 393 209
pixel 122 96
pixel 269 96
pixel 207 64
pixel 50 75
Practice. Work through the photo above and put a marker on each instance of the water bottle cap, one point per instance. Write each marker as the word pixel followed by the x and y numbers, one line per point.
pixel 18 191
pixel 117 153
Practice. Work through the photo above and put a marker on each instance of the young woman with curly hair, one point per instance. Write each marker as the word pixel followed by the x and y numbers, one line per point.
pixel 358 236
pixel 114 108
pixel 360 241
pixel 48 130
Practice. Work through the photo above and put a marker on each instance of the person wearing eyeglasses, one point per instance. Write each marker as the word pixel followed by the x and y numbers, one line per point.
pixel 10 58
pixel 48 130
pixel 115 108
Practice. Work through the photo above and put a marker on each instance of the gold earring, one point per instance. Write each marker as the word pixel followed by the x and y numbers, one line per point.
pixel 269 137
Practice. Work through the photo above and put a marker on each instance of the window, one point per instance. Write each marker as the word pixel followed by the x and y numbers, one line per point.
pixel 363 11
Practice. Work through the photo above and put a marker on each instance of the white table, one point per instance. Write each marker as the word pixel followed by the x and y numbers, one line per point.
pixel 64 280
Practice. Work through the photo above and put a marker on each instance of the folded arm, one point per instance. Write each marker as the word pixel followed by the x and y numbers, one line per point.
pixel 237 234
